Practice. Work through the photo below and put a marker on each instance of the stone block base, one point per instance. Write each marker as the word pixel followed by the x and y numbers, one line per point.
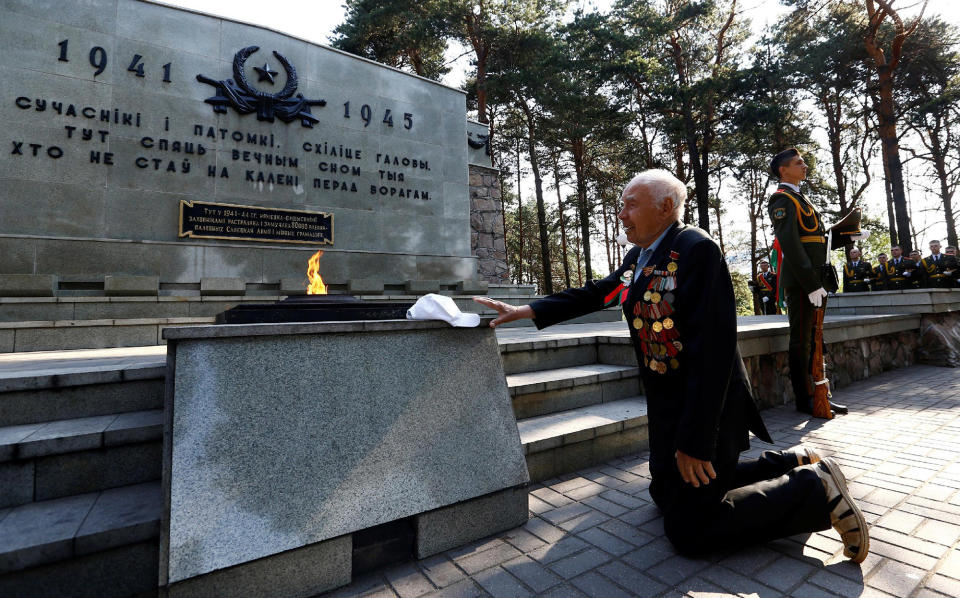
pixel 128 286
pixel 455 525
pixel 28 285
pixel 305 571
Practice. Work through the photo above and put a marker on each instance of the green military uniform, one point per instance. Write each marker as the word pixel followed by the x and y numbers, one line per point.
pixel 934 267
pixel 895 268
pixel 952 270
pixel 856 275
pixel 802 238
pixel 913 273
pixel 880 277
pixel 766 285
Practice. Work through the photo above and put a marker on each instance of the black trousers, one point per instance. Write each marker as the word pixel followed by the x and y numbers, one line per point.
pixel 768 308
pixel 749 502
pixel 800 315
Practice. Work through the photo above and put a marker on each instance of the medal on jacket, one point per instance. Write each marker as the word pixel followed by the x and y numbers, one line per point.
pixel 655 328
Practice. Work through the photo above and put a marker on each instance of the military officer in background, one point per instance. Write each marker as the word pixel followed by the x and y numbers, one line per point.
pixel 879 279
pixel 856 273
pixel 675 290
pixel 953 265
pixel 897 281
pixel 913 272
pixel 935 267
pixel 766 285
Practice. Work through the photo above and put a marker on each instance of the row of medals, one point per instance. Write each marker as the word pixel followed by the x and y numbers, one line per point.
pixel 655 328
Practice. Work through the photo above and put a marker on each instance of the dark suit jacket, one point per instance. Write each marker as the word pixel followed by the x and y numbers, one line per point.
pixel 704 407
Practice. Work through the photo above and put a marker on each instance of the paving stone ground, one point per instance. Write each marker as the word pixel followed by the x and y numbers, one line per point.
pixel 597 533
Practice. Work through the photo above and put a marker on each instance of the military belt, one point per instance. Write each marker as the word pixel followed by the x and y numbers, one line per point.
pixel 897 278
pixel 855 280
pixel 813 239
pixel 937 275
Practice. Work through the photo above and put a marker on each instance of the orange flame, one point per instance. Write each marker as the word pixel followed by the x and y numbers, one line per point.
pixel 313 275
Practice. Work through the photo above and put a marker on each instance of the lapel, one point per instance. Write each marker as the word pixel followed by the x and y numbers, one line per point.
pixel 662 249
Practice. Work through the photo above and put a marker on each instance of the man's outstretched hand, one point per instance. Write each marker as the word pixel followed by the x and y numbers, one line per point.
pixel 695 471
pixel 507 312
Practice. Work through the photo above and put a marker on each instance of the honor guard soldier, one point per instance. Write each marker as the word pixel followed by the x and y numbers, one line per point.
pixel 913 272
pixel 935 267
pixel 766 285
pixel 898 263
pixel 801 237
pixel 880 279
pixel 856 274
pixel 675 290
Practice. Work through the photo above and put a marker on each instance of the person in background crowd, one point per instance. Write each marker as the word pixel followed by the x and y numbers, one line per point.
pixel 856 273
pixel 953 265
pixel 898 263
pixel 934 268
pixel 881 274
pixel 766 285
pixel 913 272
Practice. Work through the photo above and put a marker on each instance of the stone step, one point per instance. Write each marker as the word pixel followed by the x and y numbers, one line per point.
pixel 50 386
pixel 61 458
pixel 562 442
pixel 561 389
pixel 99 544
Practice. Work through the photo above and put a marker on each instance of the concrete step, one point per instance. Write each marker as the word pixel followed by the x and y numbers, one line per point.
pixel 562 442
pixel 61 458
pixel 561 389
pixel 99 544
pixel 56 385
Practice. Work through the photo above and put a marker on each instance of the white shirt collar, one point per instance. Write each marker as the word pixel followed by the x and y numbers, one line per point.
pixel 791 186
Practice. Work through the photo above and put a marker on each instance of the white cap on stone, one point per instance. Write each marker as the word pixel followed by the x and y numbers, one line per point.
pixel 441 307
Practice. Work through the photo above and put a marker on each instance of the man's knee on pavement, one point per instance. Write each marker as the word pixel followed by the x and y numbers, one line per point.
pixel 684 533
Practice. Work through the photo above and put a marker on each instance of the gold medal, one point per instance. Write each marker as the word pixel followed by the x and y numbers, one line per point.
pixel 657 327
pixel 672 267
pixel 653 365
pixel 637 323
pixel 678 345
pixel 661 367
pixel 655 297
pixel 674 364
pixel 667 323
pixel 646 296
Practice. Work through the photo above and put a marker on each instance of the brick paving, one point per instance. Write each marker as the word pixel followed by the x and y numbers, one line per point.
pixel 597 533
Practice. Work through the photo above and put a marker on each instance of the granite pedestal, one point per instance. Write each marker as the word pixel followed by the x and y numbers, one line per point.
pixel 282 440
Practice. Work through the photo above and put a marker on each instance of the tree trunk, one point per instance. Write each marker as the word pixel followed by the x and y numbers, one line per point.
pixel 538 189
pixel 940 166
pixel 583 211
pixel 563 225
pixel 888 137
pixel 834 112
pixel 519 222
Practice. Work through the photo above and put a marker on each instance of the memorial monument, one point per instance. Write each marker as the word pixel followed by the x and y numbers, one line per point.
pixel 144 140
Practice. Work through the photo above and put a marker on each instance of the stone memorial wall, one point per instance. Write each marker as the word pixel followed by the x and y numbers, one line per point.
pixel 141 139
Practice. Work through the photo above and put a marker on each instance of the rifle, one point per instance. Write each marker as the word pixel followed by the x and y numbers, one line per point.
pixel 821 384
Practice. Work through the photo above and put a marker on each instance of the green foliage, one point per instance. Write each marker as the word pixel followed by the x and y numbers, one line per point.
pixel 742 293
pixel 407 34
pixel 599 96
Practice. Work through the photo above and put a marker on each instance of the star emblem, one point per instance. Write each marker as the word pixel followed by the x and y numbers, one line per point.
pixel 266 74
